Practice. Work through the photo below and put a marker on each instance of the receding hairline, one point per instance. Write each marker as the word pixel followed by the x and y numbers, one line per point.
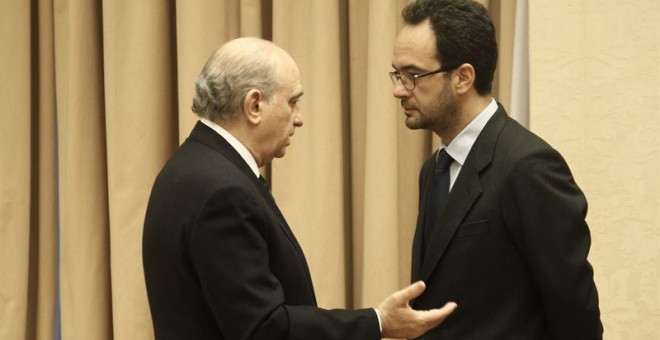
pixel 239 46
pixel 234 68
pixel 248 42
pixel 236 50
pixel 281 60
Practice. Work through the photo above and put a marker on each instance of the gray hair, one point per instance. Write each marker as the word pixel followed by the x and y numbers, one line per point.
pixel 234 69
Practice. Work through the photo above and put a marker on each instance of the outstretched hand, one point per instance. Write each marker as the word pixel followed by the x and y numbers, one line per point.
pixel 399 320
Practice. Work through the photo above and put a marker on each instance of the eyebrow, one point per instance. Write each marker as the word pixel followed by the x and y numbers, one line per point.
pixel 296 96
pixel 407 68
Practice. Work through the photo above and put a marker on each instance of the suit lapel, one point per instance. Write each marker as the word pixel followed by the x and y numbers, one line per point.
pixel 205 135
pixel 425 176
pixel 461 198
pixel 464 193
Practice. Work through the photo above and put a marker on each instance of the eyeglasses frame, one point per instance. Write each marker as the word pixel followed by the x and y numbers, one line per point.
pixel 396 76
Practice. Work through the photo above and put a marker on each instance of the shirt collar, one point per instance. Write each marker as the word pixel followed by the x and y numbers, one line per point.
pixel 238 146
pixel 460 147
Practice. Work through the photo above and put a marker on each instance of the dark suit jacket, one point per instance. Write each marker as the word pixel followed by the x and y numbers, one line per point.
pixel 512 245
pixel 220 261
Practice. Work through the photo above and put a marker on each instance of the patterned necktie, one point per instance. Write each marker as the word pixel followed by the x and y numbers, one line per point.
pixel 439 191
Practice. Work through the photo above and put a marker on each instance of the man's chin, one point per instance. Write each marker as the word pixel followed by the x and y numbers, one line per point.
pixel 413 124
pixel 281 153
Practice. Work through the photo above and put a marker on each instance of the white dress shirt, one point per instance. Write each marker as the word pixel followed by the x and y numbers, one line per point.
pixel 460 147
pixel 238 146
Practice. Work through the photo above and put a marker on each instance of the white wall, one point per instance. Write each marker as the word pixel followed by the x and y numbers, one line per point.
pixel 594 95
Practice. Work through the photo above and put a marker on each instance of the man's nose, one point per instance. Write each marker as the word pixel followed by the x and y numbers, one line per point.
pixel 399 91
pixel 298 121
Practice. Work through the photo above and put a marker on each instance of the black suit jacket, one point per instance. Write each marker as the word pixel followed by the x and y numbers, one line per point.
pixel 220 261
pixel 512 245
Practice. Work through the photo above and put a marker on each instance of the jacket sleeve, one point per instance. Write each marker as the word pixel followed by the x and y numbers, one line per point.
pixel 229 251
pixel 546 212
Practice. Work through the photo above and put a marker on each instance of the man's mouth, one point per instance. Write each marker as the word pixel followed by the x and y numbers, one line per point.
pixel 408 110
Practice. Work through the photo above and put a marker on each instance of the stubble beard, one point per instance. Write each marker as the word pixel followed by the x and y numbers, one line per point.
pixel 442 116
pixel 414 123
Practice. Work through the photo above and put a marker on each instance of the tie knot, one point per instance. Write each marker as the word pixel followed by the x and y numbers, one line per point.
pixel 444 160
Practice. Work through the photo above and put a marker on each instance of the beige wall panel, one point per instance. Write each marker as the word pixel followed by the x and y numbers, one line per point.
pixel 85 272
pixel 15 186
pixel 141 115
pixel 309 184
pixel 595 95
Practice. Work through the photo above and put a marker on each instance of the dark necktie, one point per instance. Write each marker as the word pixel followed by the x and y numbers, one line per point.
pixel 439 191
pixel 265 183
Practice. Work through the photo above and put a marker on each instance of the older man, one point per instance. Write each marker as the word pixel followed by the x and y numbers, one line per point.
pixel 219 258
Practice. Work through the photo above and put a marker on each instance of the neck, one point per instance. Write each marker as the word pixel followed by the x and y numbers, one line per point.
pixel 241 132
pixel 467 111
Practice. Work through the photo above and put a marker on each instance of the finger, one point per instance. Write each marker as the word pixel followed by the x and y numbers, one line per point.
pixel 414 290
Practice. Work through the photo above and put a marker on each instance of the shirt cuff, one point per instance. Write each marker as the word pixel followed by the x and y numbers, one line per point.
pixel 380 324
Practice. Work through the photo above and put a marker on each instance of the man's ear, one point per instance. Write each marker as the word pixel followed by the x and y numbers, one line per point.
pixel 465 79
pixel 252 106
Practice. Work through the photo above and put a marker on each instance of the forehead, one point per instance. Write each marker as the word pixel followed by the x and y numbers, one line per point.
pixel 415 47
pixel 288 75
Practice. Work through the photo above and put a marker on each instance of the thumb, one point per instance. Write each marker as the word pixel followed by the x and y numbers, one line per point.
pixel 436 316
pixel 414 290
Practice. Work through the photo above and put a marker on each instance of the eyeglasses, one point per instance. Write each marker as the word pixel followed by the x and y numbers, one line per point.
pixel 408 80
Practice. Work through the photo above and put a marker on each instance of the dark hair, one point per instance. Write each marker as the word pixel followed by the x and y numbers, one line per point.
pixel 464 34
